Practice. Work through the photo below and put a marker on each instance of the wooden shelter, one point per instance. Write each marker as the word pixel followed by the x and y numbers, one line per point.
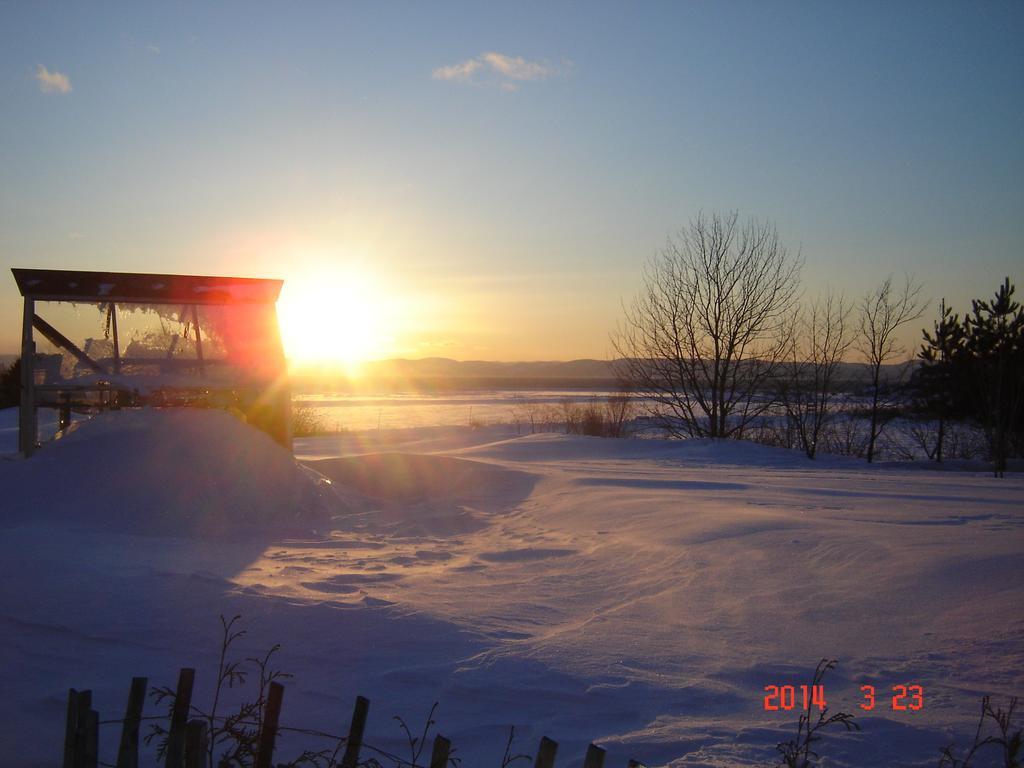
pixel 117 340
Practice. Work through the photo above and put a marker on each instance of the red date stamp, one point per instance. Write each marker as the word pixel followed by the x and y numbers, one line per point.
pixel 904 698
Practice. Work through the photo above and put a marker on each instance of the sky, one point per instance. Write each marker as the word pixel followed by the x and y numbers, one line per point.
pixel 486 181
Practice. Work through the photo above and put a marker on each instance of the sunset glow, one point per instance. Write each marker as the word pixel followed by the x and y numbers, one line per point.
pixel 332 316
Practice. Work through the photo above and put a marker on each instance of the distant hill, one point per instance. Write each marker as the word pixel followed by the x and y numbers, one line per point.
pixel 441 373
pixel 442 366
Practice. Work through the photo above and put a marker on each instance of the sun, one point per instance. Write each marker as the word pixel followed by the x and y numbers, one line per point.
pixel 332 316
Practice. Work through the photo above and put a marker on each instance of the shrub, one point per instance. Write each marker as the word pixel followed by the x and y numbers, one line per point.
pixel 307 422
pixel 612 418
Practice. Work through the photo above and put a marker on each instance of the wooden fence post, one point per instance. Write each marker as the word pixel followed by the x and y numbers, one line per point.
pixel 196 743
pixel 545 753
pixel 188 740
pixel 83 707
pixel 268 731
pixel 439 757
pixel 179 719
pixel 128 751
pixel 355 733
pixel 71 730
pixel 91 739
pixel 81 731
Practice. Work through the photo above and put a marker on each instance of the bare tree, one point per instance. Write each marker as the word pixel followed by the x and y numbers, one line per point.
pixel 706 333
pixel 883 311
pixel 807 388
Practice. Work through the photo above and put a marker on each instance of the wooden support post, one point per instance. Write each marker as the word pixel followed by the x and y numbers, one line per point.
pixel 545 753
pixel 595 757
pixel 179 719
pixel 27 412
pixel 199 340
pixel 128 751
pixel 442 748
pixel 355 733
pixel 268 733
pixel 113 332
pixel 196 743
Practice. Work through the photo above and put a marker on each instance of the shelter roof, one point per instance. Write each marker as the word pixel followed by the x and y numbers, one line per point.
pixel 140 288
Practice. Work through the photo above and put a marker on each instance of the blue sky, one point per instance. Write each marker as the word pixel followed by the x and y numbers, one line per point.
pixel 491 178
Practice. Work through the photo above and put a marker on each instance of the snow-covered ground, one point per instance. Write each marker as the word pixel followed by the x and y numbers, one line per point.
pixel 637 593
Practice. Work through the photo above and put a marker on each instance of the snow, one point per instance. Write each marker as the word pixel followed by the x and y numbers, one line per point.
pixel 638 593
pixel 184 472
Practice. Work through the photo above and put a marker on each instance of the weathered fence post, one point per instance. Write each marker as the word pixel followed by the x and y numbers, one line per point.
pixel 439 757
pixel 545 753
pixel 90 734
pixel 71 730
pixel 188 740
pixel 268 731
pixel 128 751
pixel 179 719
pixel 81 731
pixel 355 733
pixel 595 757
pixel 196 744
pixel 81 723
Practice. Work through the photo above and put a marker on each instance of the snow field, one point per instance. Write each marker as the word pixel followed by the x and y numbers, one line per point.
pixel 640 594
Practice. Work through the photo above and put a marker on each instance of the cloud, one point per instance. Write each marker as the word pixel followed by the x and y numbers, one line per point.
pixel 516 68
pixel 52 82
pixel 507 72
pixel 463 71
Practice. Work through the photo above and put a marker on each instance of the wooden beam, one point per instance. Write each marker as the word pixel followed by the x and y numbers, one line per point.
pixel 113 331
pixel 58 339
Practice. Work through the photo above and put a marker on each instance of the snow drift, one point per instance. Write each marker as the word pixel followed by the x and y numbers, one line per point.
pixel 184 472
pixel 429 494
pixel 635 593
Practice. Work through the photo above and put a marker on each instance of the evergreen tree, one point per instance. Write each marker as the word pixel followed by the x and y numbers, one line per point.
pixel 995 343
pixel 940 377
